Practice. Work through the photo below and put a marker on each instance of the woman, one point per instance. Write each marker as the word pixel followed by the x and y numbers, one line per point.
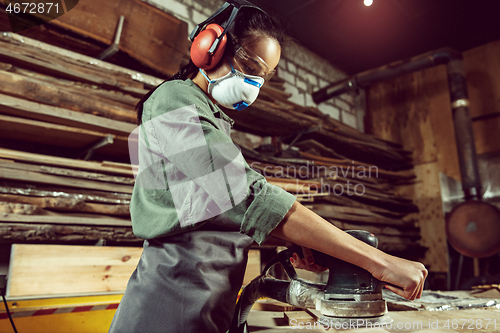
pixel 200 206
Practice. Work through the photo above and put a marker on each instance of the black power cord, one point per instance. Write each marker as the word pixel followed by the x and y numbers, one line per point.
pixel 8 313
pixel 2 291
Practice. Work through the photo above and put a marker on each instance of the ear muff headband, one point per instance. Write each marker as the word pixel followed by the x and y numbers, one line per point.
pixel 209 43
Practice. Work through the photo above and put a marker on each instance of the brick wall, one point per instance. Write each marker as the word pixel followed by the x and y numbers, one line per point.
pixel 302 70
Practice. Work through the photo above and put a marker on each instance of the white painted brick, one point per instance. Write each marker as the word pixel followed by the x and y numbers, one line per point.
pixel 312 79
pixel 172 6
pixel 323 83
pixel 188 3
pixel 296 97
pixel 330 110
pixel 349 119
pixel 349 98
pixel 198 6
pixel 191 26
pixel 287 76
pixel 290 89
pixel 282 64
pixel 301 84
pixel 292 68
pixel 197 17
pixel 343 105
pixel 208 11
pixel 309 101
pixel 308 76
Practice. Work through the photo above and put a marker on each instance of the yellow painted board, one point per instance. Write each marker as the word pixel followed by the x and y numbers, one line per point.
pixel 61 315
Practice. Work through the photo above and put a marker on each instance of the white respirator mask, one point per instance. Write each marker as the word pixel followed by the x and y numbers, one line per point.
pixel 234 90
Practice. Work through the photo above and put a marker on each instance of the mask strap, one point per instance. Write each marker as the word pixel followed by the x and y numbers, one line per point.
pixel 232 68
pixel 213 81
pixel 206 77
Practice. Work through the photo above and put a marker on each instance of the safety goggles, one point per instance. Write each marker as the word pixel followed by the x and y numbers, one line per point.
pixel 249 63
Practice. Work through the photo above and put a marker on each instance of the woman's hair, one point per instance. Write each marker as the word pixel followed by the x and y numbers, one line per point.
pixel 249 23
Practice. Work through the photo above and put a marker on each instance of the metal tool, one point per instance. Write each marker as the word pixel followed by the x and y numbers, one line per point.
pixel 350 294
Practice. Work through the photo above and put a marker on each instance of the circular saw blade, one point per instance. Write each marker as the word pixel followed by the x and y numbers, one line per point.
pixel 473 229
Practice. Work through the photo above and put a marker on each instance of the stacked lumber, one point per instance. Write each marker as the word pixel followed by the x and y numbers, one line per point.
pixel 47 198
pixel 58 107
pixel 350 194
pixel 273 115
pixel 62 103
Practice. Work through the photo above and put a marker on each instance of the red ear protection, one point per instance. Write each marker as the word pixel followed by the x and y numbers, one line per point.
pixel 202 43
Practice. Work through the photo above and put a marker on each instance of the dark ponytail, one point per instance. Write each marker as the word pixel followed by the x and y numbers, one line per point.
pixel 187 71
pixel 254 22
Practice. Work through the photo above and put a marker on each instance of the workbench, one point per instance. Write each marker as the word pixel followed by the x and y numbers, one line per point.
pixel 423 321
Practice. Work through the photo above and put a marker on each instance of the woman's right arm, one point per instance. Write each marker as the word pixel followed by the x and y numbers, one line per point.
pixel 303 227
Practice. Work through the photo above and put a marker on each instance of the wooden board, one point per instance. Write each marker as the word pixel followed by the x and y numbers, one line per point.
pixel 66 219
pixel 59 135
pixel 64 233
pixel 124 76
pixel 253 266
pixel 427 194
pixel 59 95
pixel 6 172
pixel 483 83
pixel 22 108
pixel 37 270
pixel 65 162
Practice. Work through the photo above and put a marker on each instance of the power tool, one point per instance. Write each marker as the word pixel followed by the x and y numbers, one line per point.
pixel 351 293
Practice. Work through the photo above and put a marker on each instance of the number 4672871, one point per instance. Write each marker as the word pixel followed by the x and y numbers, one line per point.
pixel 32 8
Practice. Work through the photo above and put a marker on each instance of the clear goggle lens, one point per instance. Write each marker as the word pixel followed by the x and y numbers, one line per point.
pixel 251 64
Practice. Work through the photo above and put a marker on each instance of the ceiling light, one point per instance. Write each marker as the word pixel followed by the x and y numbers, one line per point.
pixel 368 2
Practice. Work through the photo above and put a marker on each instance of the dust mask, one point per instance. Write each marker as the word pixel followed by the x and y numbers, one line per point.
pixel 235 90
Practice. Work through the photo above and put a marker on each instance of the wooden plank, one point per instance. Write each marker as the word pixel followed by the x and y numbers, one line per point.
pixel 59 135
pixel 32 110
pixel 253 266
pixel 106 95
pixel 62 233
pixel 149 35
pixel 38 178
pixel 39 91
pixel 41 62
pixel 402 107
pixel 122 74
pixel 103 167
pixel 50 170
pixel 299 318
pixel 327 211
pixel 269 304
pixel 73 193
pixel 483 84
pixel 65 219
pixel 36 270
pixel 68 204
pixel 427 194
pixel 377 230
